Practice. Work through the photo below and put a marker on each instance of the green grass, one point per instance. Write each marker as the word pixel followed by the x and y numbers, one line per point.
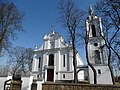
pixel 117 83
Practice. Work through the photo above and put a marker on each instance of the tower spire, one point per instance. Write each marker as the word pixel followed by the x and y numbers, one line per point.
pixel 90 10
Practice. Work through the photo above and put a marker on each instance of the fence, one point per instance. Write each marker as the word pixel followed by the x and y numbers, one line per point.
pixel 72 86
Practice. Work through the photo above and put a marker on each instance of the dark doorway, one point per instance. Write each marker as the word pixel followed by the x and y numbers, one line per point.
pixel 51 60
pixel 50 75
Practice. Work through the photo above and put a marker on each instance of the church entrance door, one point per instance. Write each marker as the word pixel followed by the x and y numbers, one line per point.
pixel 50 75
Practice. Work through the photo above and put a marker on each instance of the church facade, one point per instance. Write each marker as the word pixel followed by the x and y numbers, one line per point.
pixel 53 60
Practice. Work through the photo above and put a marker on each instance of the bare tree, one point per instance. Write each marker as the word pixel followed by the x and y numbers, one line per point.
pixel 10 23
pixel 92 67
pixel 20 59
pixel 29 58
pixel 70 17
pixel 4 70
pixel 109 10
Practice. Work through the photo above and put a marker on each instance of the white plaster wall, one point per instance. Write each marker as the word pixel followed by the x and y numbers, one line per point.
pixel 103 78
pixel 25 83
pixel 2 80
pixel 68 76
pixel 91 49
pixel 58 61
pixel 45 59
pixel 57 43
pixel 39 85
pixel 47 44
pixel 35 63
pixel 70 61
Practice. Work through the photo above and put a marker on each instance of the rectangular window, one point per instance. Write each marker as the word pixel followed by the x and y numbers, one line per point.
pixel 39 62
pixel 63 75
pixel 99 71
pixel 63 60
pixel 93 31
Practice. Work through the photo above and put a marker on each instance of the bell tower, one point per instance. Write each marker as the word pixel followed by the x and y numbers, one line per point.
pixel 97 53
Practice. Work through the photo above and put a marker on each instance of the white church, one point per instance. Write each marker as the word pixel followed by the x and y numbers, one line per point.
pixel 53 60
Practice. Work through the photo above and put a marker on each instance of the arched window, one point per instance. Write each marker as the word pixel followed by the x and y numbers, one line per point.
pixel 97 57
pixel 51 60
pixel 93 31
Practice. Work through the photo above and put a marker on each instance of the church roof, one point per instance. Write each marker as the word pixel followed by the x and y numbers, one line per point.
pixel 51 35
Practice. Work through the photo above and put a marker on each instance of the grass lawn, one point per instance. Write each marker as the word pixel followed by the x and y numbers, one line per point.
pixel 117 83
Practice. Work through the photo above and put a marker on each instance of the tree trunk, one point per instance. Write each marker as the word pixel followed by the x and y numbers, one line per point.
pixel 94 71
pixel 112 75
pixel 2 39
pixel 111 71
pixel 74 64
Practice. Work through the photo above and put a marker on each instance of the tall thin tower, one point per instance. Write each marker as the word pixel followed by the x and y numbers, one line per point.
pixel 97 53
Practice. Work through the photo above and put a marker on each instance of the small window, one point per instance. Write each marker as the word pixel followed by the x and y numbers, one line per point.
pixel 63 60
pixel 38 76
pixel 99 71
pixel 56 73
pixel 39 62
pixel 63 75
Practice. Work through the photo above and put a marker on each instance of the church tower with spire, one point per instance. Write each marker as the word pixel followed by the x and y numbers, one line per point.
pixel 96 48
